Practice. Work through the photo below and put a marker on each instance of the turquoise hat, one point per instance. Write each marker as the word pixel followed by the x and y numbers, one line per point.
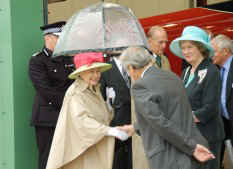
pixel 192 33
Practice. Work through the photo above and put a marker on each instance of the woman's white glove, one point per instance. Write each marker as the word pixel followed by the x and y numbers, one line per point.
pixel 121 135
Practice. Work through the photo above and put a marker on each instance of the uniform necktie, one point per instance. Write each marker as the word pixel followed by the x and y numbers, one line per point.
pixel 126 77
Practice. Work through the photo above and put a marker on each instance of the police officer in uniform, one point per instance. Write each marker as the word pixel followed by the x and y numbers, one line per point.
pixel 49 77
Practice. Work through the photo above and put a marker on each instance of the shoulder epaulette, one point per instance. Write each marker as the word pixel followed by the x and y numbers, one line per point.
pixel 35 54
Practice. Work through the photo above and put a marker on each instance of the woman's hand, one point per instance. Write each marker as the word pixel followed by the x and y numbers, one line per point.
pixel 119 134
pixel 129 129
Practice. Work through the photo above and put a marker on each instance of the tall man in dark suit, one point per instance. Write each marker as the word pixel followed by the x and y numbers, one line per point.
pixel 118 81
pixel 50 80
pixel 164 115
pixel 223 48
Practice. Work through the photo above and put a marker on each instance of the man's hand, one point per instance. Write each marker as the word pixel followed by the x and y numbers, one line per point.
pixel 202 154
pixel 129 129
pixel 196 120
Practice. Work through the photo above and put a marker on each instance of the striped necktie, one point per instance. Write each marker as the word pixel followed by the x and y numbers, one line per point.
pixel 126 77
pixel 158 61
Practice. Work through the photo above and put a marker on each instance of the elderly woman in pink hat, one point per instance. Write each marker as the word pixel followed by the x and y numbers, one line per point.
pixel 83 138
pixel 203 85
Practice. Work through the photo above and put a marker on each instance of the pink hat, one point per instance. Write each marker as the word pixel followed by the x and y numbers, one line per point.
pixel 87 61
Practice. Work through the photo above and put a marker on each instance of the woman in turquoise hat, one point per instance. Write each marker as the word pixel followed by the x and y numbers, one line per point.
pixel 203 85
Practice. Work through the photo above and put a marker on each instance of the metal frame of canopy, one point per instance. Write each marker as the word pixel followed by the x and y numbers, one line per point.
pixel 101 27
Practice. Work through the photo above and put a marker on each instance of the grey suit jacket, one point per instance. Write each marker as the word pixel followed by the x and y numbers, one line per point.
pixel 164 120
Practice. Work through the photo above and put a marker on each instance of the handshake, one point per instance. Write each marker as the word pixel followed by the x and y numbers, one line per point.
pixel 122 132
pixel 200 153
pixel 119 134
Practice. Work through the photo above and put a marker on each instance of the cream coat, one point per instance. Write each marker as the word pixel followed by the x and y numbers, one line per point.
pixel 80 140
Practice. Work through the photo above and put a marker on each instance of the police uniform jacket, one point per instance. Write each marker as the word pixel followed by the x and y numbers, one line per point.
pixel 50 80
pixel 204 95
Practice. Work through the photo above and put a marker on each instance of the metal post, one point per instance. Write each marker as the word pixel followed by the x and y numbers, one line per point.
pixel 191 3
pixel 17 148
pixel 45 11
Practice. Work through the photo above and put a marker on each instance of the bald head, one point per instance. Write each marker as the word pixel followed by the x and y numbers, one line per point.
pixel 157 37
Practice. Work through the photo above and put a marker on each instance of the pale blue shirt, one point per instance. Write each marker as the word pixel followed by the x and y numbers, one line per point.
pixel 226 68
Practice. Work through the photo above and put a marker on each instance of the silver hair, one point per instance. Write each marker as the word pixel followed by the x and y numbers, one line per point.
pixel 137 57
pixel 152 31
pixel 223 41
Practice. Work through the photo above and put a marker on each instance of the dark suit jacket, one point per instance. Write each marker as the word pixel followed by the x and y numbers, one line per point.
pixel 229 97
pixel 122 113
pixel 165 120
pixel 204 96
pixel 122 104
pixel 50 80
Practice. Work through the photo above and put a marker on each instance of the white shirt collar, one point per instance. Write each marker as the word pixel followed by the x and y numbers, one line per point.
pixel 118 63
pixel 154 55
pixel 142 75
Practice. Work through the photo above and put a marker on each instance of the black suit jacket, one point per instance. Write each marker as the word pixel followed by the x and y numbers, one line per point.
pixel 122 113
pixel 50 80
pixel 122 104
pixel 229 104
pixel 229 92
pixel 204 96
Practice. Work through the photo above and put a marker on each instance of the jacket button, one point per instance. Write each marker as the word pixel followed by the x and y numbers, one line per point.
pixel 55 70
pixel 50 103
